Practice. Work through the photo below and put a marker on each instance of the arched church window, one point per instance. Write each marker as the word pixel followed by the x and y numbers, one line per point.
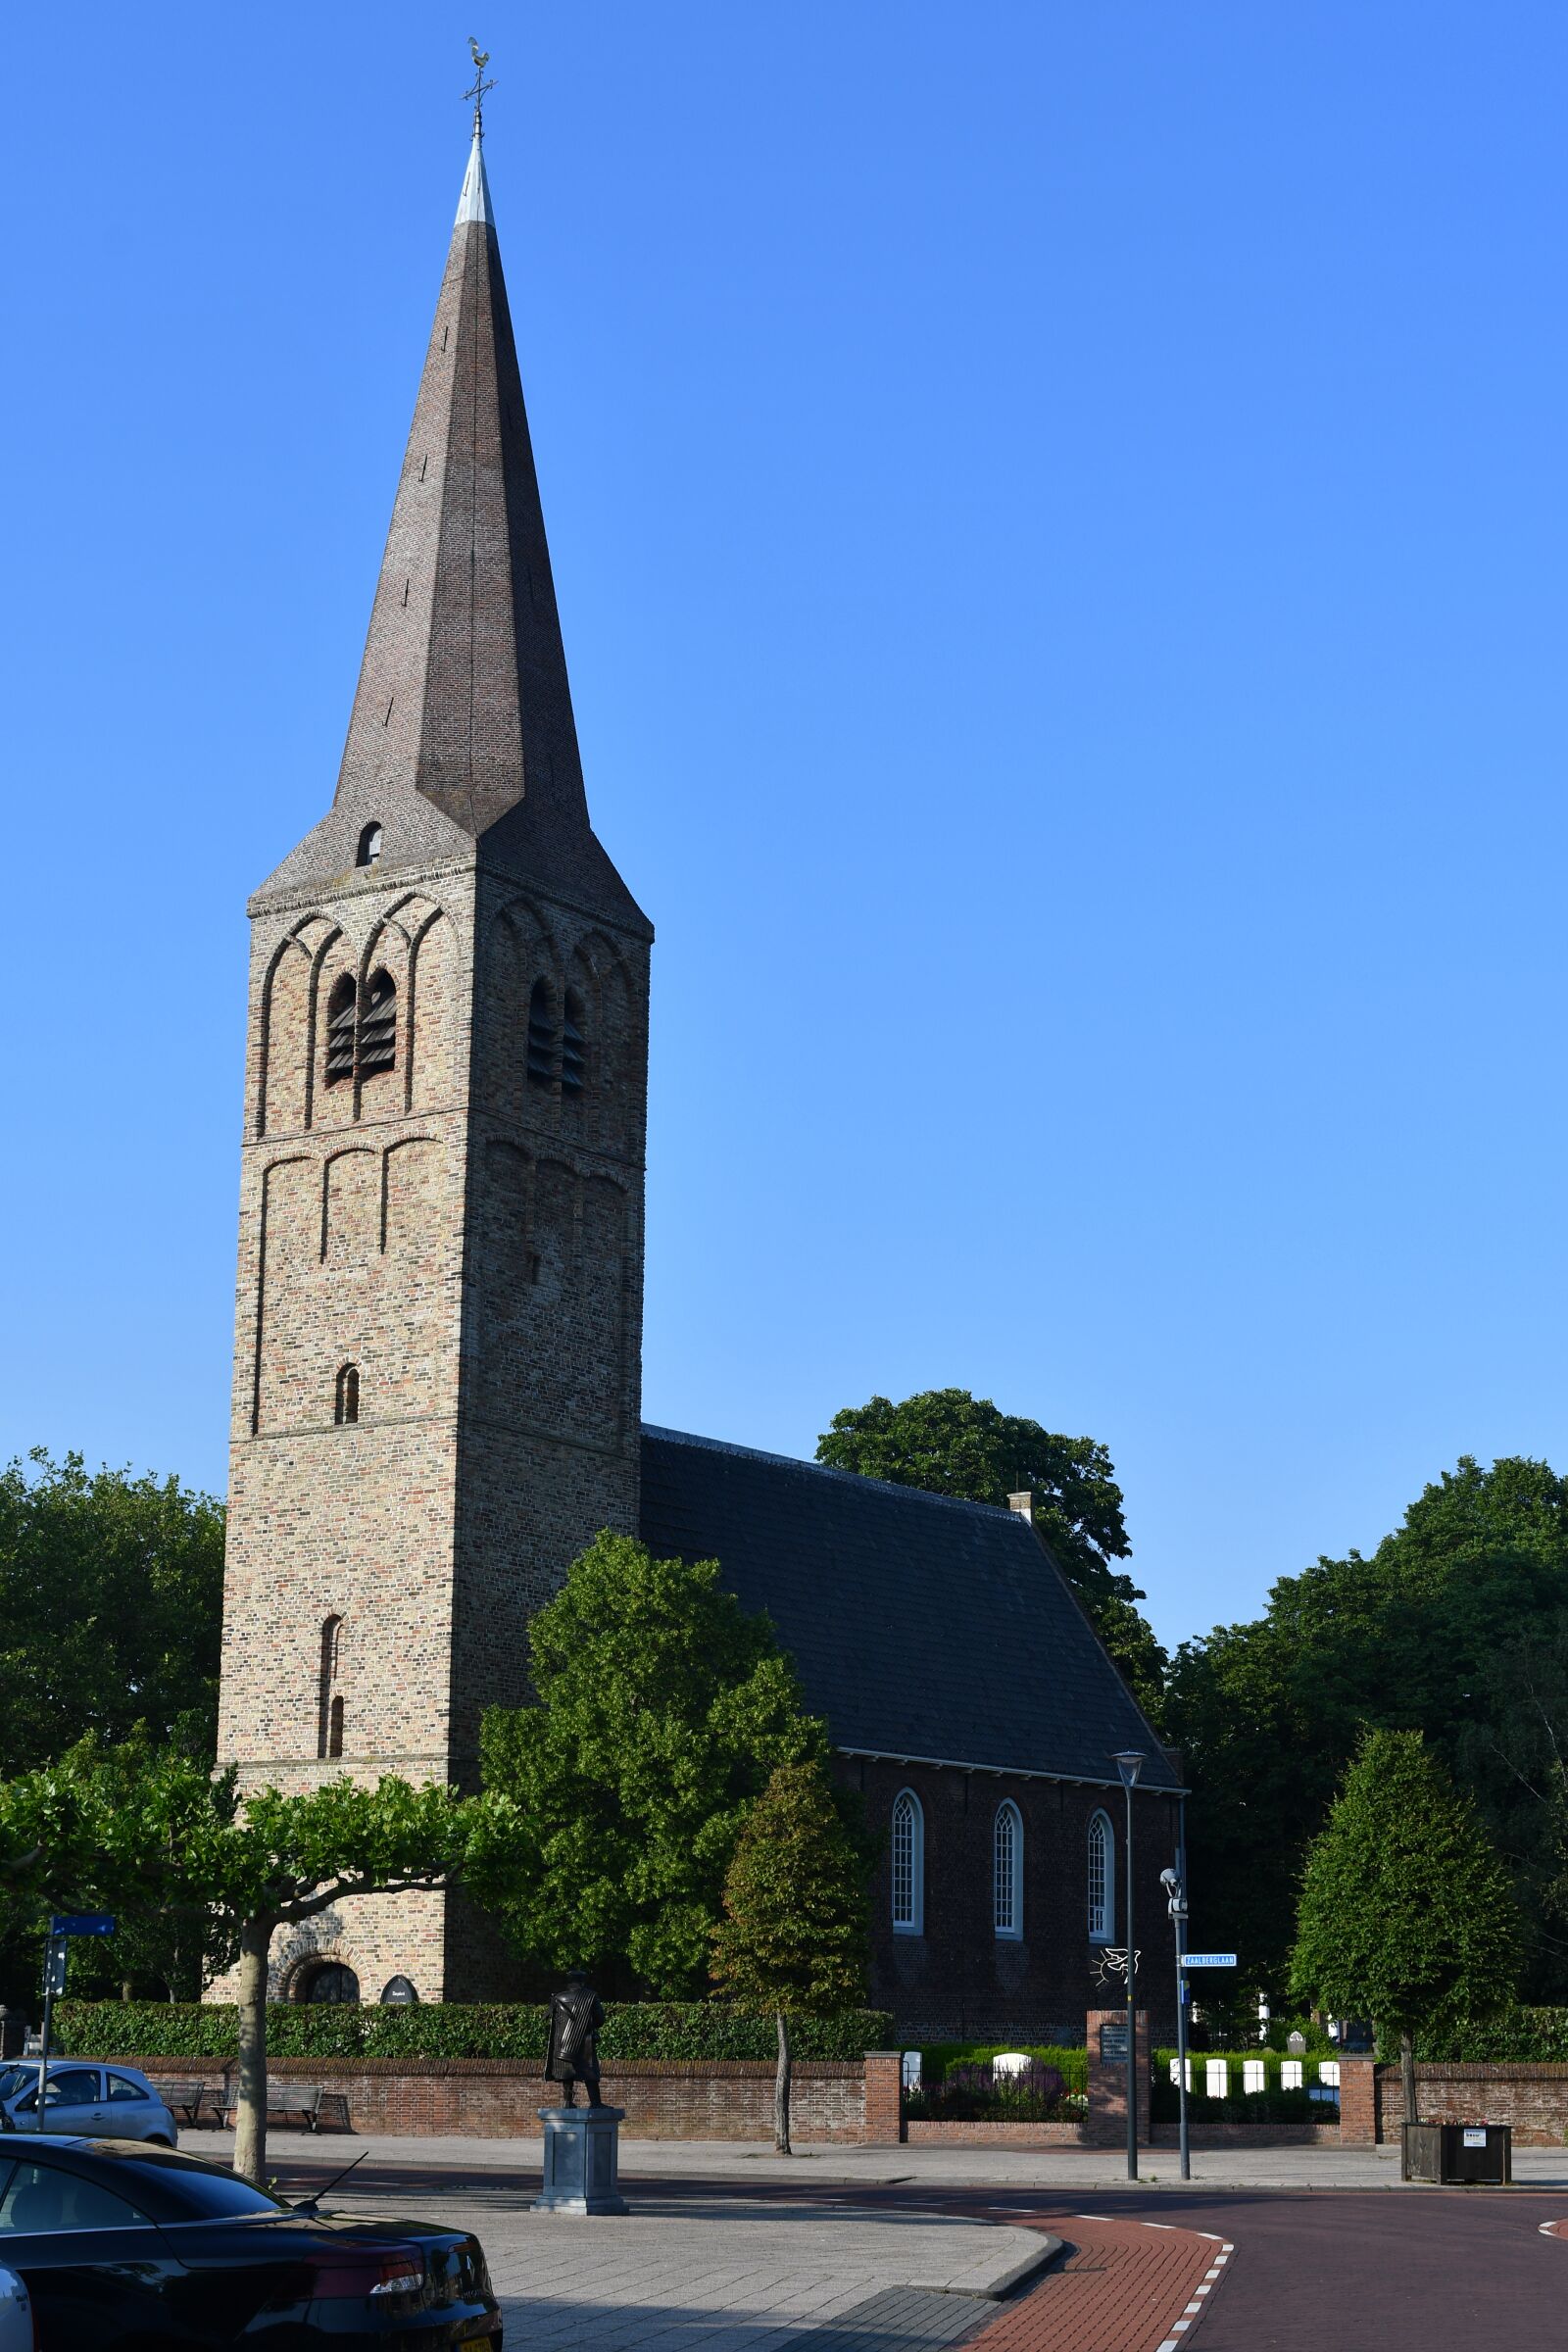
pixel 340 1007
pixel 574 1046
pixel 1102 1881
pixel 346 1406
pixel 908 1864
pixel 334 1727
pixel 542 1035
pixel 330 1982
pixel 370 849
pixel 1006 1871
pixel 378 1025
pixel 331 1633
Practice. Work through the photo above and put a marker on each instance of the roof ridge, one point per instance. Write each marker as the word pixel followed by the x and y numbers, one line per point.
pixel 857 1478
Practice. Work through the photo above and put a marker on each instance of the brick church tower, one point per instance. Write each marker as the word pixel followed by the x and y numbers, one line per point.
pixel 439 1302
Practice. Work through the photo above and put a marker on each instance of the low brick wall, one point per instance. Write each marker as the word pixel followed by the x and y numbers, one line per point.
pixel 1003 2135
pixel 1533 2098
pixel 494 2098
pixel 1249 2135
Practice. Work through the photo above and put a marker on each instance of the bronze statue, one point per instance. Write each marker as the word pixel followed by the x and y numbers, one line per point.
pixel 575 2017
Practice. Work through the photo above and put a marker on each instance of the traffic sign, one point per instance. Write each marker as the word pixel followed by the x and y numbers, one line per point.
pixel 54 1968
pixel 1208 1959
pixel 83 1923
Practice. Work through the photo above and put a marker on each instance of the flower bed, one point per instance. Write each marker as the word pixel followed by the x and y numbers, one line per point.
pixel 976 2093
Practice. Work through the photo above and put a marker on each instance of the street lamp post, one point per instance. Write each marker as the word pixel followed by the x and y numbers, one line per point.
pixel 1129 1762
pixel 1176 1904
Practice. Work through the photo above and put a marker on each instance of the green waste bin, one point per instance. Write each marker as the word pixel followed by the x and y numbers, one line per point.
pixel 1454 2153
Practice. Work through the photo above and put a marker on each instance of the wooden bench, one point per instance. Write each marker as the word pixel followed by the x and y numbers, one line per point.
pixel 316 2105
pixel 192 2102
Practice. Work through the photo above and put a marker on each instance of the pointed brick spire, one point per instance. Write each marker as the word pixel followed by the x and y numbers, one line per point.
pixel 463 691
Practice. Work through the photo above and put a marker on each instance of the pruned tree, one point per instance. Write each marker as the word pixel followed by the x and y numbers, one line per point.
pixel 145 1832
pixel 793 1940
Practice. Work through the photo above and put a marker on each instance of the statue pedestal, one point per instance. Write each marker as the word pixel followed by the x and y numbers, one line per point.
pixel 582 2160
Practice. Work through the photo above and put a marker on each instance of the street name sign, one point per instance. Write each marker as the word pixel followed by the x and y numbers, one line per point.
pixel 1208 1959
pixel 83 1923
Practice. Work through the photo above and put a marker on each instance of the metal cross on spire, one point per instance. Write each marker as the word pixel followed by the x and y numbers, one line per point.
pixel 482 58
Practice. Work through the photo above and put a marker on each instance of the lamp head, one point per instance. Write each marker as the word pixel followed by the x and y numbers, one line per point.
pixel 1129 1762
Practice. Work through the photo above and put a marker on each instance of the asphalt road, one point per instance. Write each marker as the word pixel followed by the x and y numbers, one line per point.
pixel 1324 2271
pixel 1368 2271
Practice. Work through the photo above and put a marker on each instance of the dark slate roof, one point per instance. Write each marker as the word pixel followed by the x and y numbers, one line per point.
pixel 919 1626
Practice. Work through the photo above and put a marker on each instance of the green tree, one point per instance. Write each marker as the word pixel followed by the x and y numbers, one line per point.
pixel 143 1831
pixel 951 1443
pixel 111 1605
pixel 1425 1633
pixel 662 1710
pixel 794 1935
pixel 1405 1914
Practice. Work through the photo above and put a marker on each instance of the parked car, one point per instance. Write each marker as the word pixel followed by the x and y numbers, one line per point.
pixel 125 2247
pixel 16 2315
pixel 114 2100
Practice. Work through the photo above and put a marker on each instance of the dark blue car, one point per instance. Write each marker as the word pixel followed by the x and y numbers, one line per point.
pixel 130 2248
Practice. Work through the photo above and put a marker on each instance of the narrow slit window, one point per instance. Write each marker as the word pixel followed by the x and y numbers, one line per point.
pixel 347 1404
pixel 334 1735
pixel 573 1047
pixel 379 1026
pixel 541 1035
pixel 330 1632
pixel 340 1030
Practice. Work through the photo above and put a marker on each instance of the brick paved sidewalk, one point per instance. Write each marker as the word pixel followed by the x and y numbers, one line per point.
pixel 1127 2286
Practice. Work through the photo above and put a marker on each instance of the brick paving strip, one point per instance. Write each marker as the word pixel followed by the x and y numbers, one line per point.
pixel 1124 2286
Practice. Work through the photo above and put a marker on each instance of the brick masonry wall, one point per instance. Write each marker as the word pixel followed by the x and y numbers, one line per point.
pixel 1533 2098
pixel 499 2099
pixel 959 1981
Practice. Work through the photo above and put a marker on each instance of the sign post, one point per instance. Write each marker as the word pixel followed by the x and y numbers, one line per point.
pixel 61 1929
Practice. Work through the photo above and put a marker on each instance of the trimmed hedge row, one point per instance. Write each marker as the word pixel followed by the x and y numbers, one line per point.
pixel 1516 2038
pixel 1071 2060
pixel 632 2030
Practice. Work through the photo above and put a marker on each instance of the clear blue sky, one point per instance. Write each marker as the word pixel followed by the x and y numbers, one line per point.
pixel 1059 515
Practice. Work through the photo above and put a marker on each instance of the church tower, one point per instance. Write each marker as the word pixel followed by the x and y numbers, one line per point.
pixel 439 1306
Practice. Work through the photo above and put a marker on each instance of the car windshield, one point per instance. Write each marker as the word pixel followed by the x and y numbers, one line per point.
pixel 17 2078
pixel 182 2188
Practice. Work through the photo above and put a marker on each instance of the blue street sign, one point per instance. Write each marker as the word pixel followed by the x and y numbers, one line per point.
pixel 83 1923
pixel 1208 1959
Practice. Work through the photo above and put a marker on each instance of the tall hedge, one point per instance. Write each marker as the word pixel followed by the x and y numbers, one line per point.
pixel 632 2031
pixel 1519 2036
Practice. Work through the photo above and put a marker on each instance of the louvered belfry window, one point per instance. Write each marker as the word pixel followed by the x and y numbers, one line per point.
pixel 573 1047
pixel 340 1030
pixel 541 1035
pixel 378 1025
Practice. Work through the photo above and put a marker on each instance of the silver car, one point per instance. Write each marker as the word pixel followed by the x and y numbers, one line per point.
pixel 16 2315
pixel 100 2102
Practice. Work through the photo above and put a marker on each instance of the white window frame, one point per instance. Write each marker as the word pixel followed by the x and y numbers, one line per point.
pixel 1007 1917
pixel 1103 1931
pixel 907 1904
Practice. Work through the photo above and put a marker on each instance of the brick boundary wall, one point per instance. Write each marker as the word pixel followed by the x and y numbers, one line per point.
pixel 1533 2098
pixel 498 2098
